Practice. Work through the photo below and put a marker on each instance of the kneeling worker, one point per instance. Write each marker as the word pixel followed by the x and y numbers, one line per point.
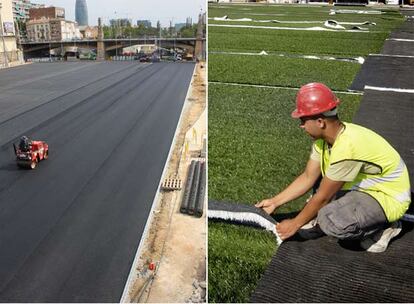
pixel 365 188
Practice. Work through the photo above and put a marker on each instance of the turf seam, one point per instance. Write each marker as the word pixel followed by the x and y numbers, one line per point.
pixel 359 60
pixel 277 87
pixel 319 29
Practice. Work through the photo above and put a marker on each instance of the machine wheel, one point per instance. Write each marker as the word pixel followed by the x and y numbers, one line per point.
pixel 46 155
pixel 33 164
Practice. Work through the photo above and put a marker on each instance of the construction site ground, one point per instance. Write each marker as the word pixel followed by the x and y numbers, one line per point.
pixel 172 262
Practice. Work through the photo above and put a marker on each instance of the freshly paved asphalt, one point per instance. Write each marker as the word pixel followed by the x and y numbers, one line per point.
pixel 70 228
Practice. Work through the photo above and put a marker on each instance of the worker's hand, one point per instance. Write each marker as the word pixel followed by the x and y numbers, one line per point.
pixel 267 205
pixel 286 228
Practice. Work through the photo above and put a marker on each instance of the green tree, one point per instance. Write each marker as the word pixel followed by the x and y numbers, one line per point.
pixel 188 31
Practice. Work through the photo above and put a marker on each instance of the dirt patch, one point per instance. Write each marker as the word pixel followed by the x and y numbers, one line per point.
pixel 172 265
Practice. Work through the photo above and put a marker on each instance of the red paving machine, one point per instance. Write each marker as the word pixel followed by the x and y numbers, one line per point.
pixel 30 152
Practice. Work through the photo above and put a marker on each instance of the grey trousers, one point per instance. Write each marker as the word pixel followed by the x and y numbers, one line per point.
pixel 351 215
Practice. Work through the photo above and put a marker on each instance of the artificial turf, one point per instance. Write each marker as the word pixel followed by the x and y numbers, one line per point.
pixel 384 21
pixel 255 147
pixel 255 150
pixel 240 255
pixel 280 71
pixel 297 42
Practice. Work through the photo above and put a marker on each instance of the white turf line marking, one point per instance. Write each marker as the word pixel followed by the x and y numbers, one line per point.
pixel 399 39
pixel 388 55
pixel 359 60
pixel 410 91
pixel 317 28
pixel 131 277
pixel 224 18
pixel 274 87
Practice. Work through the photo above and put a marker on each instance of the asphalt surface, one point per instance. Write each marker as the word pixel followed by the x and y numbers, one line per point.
pixel 69 229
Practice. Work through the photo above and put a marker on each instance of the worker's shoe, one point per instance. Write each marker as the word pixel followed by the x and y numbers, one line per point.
pixel 311 230
pixel 379 241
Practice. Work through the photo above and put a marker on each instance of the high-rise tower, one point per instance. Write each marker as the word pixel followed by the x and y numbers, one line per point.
pixel 81 12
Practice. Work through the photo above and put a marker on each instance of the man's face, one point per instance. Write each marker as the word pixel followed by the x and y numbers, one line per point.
pixel 312 125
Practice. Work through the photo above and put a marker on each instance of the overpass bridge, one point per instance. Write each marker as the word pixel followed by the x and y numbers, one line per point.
pixel 110 46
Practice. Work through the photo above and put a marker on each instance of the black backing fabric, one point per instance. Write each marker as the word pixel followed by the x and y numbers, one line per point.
pixel 325 270
pixel 391 114
pixel 328 270
pixel 406 31
pixel 403 48
pixel 388 72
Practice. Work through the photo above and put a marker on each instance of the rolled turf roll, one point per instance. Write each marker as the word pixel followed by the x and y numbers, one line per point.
pixel 242 214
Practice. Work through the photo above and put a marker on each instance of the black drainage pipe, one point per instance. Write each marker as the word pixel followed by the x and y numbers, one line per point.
pixel 188 184
pixel 201 191
pixel 194 189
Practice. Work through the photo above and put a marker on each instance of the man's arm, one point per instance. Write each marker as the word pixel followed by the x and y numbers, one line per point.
pixel 326 191
pixel 297 188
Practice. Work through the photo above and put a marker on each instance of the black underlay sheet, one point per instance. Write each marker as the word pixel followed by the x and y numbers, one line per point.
pixel 387 72
pixel 327 270
pixel 406 31
pixel 391 115
pixel 401 48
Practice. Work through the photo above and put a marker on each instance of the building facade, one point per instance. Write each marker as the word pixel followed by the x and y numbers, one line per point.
pixel 21 13
pixel 69 30
pixel 49 24
pixel 81 13
pixel 56 29
pixel 47 13
pixel 38 30
pixel 8 48
pixel 89 32
pixel 21 9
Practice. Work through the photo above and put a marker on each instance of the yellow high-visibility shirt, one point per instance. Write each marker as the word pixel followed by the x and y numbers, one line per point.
pixel 389 184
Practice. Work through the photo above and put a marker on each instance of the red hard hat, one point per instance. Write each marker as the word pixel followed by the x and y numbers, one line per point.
pixel 314 98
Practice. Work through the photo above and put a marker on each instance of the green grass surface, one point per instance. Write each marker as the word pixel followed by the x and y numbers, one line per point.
pixel 281 71
pixel 384 21
pixel 255 147
pixel 303 42
pixel 255 150
pixel 241 254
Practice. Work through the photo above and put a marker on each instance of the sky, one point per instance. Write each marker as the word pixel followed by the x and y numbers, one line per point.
pixel 163 10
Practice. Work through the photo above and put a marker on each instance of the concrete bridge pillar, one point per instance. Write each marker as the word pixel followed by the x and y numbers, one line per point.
pixel 200 49
pixel 100 56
